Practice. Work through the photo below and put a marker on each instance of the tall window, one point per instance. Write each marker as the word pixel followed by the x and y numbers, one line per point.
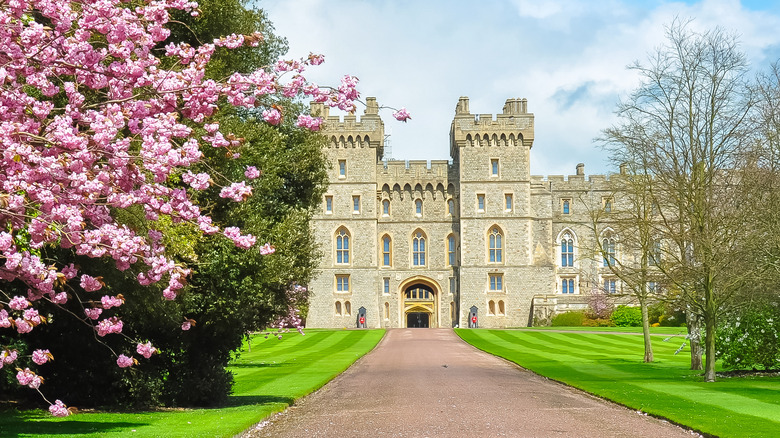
pixel 386 247
pixel 565 205
pixel 418 206
pixel 387 310
pixel 610 285
pixel 386 208
pixel 608 246
pixel 654 258
pixel 347 308
pixel 386 286
pixel 342 246
pixel 494 167
pixel 451 207
pixel 567 250
pixel 418 249
pixel 491 307
pixel 338 308
pixel 328 204
pixel 607 205
pixel 342 283
pixel 496 282
pixel 567 285
pixel 495 246
pixel 451 250
pixel 481 202
pixel 355 204
pixel 508 201
pixel 501 308
pixel 342 168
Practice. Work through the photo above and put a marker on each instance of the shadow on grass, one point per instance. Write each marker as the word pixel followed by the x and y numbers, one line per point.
pixel 257 365
pixel 16 423
pixel 245 400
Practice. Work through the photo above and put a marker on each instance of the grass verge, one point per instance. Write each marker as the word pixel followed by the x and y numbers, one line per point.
pixel 610 366
pixel 267 380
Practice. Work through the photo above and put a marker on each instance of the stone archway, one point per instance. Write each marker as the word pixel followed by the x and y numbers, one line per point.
pixel 420 303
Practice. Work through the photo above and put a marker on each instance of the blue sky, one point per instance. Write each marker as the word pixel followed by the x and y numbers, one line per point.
pixel 567 57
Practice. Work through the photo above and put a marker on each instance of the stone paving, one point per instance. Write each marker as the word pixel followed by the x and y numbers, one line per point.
pixel 429 383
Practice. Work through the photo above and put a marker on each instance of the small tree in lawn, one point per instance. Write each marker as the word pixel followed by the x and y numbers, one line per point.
pixel 95 125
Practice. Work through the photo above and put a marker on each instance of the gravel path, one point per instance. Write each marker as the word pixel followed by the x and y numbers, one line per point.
pixel 429 383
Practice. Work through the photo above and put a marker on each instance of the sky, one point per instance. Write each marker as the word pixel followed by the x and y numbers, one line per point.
pixel 567 57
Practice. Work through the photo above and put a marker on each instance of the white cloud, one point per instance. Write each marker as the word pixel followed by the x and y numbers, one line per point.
pixel 566 57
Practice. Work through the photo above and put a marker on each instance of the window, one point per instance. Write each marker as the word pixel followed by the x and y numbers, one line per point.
pixel 607 203
pixel 347 308
pixel 355 204
pixel 342 246
pixel 566 206
pixel 386 286
pixel 419 293
pixel 385 208
pixel 342 283
pixel 491 307
pixel 451 250
pixel 610 285
pixel 508 201
pixel 652 287
pixel 338 308
pixel 567 285
pixel 501 308
pixel 496 282
pixel 328 204
pixel 418 207
pixel 494 167
pixel 418 249
pixel 387 310
pixel 452 285
pixel 495 246
pixel 451 207
pixel 567 250
pixel 342 168
pixel 386 251
pixel 480 202
pixel 654 258
pixel 608 246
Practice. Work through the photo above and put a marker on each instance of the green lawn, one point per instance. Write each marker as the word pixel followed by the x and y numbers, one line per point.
pixel 267 379
pixel 653 330
pixel 610 366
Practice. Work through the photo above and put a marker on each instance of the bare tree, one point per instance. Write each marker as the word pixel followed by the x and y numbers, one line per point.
pixel 685 129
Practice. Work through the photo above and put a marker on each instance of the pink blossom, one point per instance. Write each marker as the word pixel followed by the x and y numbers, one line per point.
pixel 7 357
pixel 28 378
pixel 272 116
pixel 58 409
pixel 109 325
pixel 251 172
pixel 309 122
pixel 186 325
pixel 23 326
pixel 267 249
pixel 316 59
pixel 108 301
pixel 146 350
pixel 40 357
pixel 124 361
pixel 93 313
pixel 5 321
pixel 18 303
pixel 236 191
pixel 90 284
pixel 6 240
pixel 402 115
pixel 198 181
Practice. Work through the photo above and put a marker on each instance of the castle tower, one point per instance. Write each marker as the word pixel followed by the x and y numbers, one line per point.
pixel 500 268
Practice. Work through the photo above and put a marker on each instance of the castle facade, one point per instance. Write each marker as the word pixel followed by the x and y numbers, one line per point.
pixel 436 244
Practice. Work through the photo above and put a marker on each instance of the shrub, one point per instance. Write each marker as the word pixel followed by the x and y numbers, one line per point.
pixel 625 316
pixel 749 338
pixel 597 322
pixel 568 319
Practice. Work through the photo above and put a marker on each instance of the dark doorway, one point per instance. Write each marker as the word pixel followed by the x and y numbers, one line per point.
pixel 417 320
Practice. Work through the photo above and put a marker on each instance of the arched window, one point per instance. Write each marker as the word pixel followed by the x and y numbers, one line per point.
pixel 567 285
pixel 342 246
pixel 347 308
pixel 418 206
pixel 567 250
pixel 387 310
pixel 338 308
pixel 491 307
pixel 451 207
pixel 418 249
pixel 501 309
pixel 451 250
pixel 608 246
pixel 495 246
pixel 386 251
pixel 386 208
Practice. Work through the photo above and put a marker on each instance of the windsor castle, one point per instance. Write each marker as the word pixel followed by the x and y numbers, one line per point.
pixel 445 243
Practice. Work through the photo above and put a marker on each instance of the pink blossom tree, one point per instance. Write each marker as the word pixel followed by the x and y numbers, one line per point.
pixel 94 123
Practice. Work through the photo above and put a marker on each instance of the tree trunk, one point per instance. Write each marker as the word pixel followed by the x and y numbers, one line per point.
pixel 694 339
pixel 646 330
pixel 709 336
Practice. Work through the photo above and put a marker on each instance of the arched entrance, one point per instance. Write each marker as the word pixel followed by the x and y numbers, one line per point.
pixel 419 303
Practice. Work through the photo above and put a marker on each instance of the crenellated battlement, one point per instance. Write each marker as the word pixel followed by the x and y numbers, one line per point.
pixel 414 172
pixel 349 131
pixel 513 127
